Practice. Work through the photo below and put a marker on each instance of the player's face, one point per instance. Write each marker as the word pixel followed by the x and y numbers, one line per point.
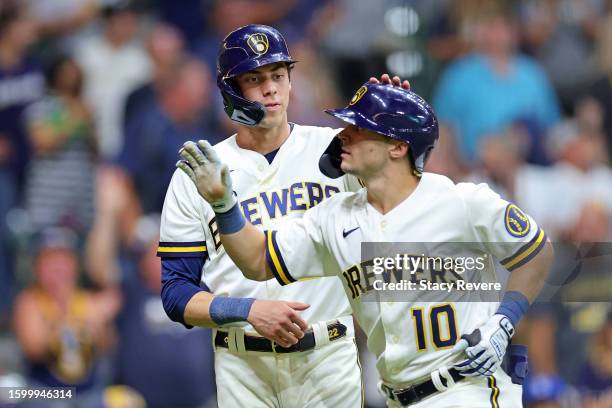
pixel 364 152
pixel 270 86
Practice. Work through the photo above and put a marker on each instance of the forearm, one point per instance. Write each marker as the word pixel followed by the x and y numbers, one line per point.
pixel 186 302
pixel 525 283
pixel 100 251
pixel 33 332
pixel 197 310
pixel 245 244
pixel 529 279
pixel 46 139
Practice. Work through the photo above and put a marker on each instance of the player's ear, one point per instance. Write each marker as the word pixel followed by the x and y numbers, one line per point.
pixel 398 149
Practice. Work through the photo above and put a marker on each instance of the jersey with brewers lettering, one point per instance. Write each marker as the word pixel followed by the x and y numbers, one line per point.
pixel 410 338
pixel 268 194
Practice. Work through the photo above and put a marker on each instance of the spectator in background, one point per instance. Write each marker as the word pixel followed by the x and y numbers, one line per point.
pixel 445 158
pixel 600 91
pixel 143 171
pixel 580 176
pixel 61 328
pixel 113 66
pixel 60 179
pixel 63 24
pixel 21 82
pixel 168 365
pixel 297 23
pixel 544 392
pixel 312 88
pixel 224 16
pixel 352 44
pixel 155 134
pixel 560 35
pixel 187 17
pixel 483 93
pixel 452 28
pixel 501 162
pixel 595 379
pixel 166 49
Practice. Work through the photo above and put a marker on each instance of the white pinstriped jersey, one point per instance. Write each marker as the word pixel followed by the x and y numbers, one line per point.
pixel 410 338
pixel 268 193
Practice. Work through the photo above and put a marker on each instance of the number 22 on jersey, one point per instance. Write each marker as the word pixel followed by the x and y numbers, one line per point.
pixel 441 326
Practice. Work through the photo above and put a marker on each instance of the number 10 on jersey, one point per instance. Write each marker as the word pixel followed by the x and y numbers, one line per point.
pixel 441 326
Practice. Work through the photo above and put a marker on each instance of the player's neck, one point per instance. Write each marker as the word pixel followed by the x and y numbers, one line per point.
pixel 387 190
pixel 262 140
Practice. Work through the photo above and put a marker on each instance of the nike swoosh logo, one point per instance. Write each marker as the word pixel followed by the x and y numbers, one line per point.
pixel 345 233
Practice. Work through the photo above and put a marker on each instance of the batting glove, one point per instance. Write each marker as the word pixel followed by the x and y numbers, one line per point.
pixel 485 347
pixel 210 176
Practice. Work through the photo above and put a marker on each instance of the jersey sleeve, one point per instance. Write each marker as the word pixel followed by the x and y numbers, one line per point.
pixel 182 234
pixel 508 233
pixel 182 247
pixel 298 249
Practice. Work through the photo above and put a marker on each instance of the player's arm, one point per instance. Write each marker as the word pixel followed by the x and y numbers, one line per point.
pixel 244 243
pixel 526 282
pixel 513 237
pixel 258 254
pixel 487 345
pixel 186 302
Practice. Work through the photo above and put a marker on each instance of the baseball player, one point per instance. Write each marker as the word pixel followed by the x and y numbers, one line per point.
pixel 273 165
pixel 422 357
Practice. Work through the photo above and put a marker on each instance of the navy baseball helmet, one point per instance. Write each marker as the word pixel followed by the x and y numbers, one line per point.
pixel 392 112
pixel 244 50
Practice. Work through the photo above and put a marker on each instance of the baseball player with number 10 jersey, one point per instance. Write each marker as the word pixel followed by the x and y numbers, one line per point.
pixel 443 354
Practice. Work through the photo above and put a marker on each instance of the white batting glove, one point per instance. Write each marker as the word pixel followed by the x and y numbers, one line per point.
pixel 210 175
pixel 485 347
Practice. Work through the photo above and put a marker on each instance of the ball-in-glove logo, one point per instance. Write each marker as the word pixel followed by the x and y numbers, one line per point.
pixel 258 42
pixel 358 95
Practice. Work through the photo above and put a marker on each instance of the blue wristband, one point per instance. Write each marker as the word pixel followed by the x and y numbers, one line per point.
pixel 513 306
pixel 230 221
pixel 228 310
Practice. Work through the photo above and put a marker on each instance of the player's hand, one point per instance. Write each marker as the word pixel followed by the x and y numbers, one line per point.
pixel 278 320
pixel 485 347
pixel 385 79
pixel 211 176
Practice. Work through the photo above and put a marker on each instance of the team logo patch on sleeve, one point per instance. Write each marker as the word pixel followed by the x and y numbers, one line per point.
pixel 516 221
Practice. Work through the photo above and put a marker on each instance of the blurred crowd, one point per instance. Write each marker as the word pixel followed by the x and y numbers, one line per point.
pixel 96 97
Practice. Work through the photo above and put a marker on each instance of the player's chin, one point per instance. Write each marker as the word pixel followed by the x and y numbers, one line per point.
pixel 346 167
pixel 271 120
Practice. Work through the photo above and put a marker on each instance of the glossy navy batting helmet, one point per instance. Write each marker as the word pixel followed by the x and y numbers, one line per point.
pixel 392 112
pixel 243 50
